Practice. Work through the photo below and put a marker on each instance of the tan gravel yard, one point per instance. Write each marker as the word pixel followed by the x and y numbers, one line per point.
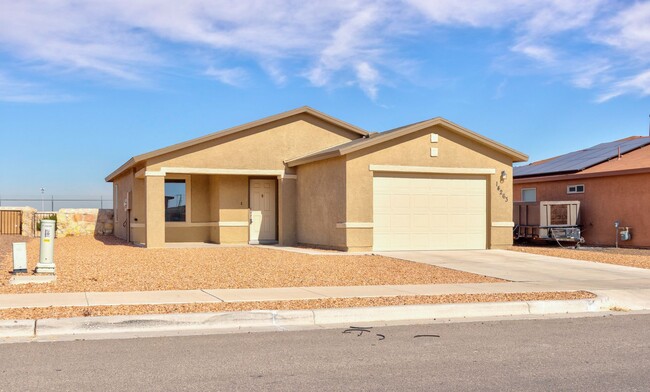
pixel 109 264
pixel 639 258
pixel 62 312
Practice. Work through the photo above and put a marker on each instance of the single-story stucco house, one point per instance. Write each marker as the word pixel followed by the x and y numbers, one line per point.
pixel 303 177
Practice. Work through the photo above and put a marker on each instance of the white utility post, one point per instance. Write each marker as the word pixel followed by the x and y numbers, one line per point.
pixel 46 261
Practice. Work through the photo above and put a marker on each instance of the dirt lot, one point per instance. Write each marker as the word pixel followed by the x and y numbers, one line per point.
pixel 62 312
pixel 639 258
pixel 109 264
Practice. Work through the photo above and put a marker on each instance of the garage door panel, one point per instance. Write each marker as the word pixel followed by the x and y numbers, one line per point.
pixel 429 213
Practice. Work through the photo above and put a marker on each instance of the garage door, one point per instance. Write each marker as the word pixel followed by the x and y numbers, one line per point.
pixel 416 213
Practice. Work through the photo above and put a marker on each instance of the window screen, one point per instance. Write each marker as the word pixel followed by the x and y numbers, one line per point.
pixel 529 194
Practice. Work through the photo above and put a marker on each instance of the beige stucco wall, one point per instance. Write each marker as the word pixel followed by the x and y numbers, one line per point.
pixel 155 211
pixel 259 148
pixel 124 184
pixel 320 191
pixel 454 151
pixel 224 198
pixel 233 207
pixel 213 190
pixel 210 200
pixel 287 205
pixel 201 205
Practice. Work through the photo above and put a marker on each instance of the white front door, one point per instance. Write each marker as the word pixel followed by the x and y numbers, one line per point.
pixel 262 219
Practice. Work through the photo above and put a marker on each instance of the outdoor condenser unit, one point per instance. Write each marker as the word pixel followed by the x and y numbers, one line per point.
pixel 548 220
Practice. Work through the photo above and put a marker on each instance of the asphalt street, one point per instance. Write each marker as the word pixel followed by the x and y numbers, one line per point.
pixel 609 353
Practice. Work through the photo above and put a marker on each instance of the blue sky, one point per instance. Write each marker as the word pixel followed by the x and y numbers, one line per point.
pixel 86 85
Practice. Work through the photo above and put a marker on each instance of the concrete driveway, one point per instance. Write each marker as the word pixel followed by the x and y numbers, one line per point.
pixel 528 271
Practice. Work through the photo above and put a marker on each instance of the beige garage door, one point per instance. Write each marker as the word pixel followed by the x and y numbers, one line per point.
pixel 416 213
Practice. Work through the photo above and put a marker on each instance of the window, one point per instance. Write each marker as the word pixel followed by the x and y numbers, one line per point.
pixel 529 194
pixel 175 200
pixel 575 189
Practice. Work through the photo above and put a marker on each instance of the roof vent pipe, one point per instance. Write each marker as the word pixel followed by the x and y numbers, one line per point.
pixel 619 152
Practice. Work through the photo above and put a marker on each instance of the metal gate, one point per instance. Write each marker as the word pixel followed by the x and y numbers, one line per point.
pixel 11 222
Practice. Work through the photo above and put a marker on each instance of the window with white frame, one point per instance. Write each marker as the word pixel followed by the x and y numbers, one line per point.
pixel 529 194
pixel 575 189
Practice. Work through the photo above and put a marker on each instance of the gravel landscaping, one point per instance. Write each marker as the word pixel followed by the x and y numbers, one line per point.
pixel 639 258
pixel 106 263
pixel 85 311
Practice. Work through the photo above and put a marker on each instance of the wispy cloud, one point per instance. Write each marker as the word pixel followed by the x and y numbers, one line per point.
pixel 25 92
pixel 231 76
pixel 639 83
pixel 330 44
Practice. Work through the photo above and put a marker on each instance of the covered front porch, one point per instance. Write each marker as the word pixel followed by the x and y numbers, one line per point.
pixel 220 206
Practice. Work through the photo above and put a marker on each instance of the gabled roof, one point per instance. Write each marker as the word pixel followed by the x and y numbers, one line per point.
pixel 216 135
pixel 580 160
pixel 382 137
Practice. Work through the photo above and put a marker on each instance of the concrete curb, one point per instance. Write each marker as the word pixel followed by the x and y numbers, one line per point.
pixel 283 319
pixel 17 328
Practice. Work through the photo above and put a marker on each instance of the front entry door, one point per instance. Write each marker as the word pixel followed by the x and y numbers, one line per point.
pixel 262 219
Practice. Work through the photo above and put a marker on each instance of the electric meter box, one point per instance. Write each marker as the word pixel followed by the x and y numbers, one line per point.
pixel 20 257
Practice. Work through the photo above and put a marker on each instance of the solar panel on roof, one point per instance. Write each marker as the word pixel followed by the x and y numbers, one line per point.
pixel 580 160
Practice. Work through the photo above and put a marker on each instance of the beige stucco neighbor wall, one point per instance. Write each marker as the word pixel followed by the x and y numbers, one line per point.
pixel 321 203
pixel 84 221
pixel 454 151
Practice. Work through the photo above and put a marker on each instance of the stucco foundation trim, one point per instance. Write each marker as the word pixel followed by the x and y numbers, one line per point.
pixel 355 225
pixel 503 224
pixel 432 170
pixel 233 224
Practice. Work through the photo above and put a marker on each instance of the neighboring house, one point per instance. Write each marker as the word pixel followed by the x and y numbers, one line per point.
pixel 611 181
pixel 303 177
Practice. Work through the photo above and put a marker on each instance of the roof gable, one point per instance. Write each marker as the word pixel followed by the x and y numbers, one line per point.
pixel 377 138
pixel 234 130
pixel 582 159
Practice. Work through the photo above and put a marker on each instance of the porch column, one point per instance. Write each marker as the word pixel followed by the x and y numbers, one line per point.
pixel 287 209
pixel 154 184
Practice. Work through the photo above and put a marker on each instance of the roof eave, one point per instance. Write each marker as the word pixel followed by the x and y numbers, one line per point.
pixel 313 158
pixel 128 164
pixel 238 128
pixel 516 155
